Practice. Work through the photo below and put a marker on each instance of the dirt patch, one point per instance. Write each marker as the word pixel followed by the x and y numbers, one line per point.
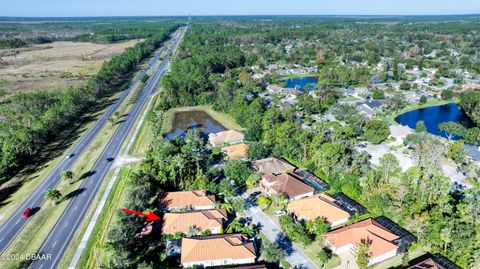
pixel 56 65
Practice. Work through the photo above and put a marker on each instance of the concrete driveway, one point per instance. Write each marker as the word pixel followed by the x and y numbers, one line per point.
pixel 273 232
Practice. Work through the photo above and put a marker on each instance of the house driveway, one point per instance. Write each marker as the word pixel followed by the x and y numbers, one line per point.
pixel 273 232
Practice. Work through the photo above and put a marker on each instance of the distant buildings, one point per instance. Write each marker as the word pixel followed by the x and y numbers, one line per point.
pixel 217 250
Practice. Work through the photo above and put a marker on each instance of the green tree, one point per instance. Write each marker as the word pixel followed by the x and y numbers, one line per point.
pixel 363 254
pixel 67 175
pixel 271 253
pixel 238 171
pixel 451 129
pixel 323 257
pixel 376 131
pixel 447 95
pixel 264 201
pixel 420 126
pixel 317 226
pixel 423 99
pixel 378 94
pixel 53 195
pixel 470 103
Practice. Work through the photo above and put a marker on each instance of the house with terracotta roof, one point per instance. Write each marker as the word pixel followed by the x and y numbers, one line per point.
pixel 217 250
pixel 205 220
pixel 252 266
pixel 272 165
pixel 319 206
pixel 429 263
pixel 288 184
pixel 382 245
pixel 238 151
pixel 225 137
pixel 191 200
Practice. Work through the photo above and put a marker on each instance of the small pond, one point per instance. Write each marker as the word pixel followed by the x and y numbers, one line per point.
pixel 183 121
pixel 301 83
pixel 434 115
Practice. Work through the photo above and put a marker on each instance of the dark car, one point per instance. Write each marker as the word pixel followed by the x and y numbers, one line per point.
pixel 27 213
pixel 254 195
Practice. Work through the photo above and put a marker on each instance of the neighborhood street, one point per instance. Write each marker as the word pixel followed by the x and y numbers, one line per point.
pixel 271 230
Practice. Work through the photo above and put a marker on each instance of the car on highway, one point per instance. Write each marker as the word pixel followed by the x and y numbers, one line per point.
pixel 27 213
pixel 69 156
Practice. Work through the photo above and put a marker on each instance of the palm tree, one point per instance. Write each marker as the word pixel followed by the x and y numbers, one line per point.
pixel 235 226
pixel 53 195
pixel 264 201
pixel 228 207
pixel 281 201
pixel 67 175
pixel 248 230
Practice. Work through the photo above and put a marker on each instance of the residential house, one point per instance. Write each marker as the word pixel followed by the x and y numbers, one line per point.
pixel 225 137
pixel 238 151
pixel 195 200
pixel 205 220
pixel 373 104
pixel 251 266
pixel 430 262
pixel 288 184
pixel 272 165
pixel 381 240
pixel 319 206
pixel 217 250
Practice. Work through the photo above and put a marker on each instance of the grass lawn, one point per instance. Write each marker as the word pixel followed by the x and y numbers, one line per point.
pixel 289 76
pixel 222 118
pixel 312 251
pixel 349 99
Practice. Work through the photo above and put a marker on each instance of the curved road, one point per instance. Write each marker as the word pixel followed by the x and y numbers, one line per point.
pixel 14 225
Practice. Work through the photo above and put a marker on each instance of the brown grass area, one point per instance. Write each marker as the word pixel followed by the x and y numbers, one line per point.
pixel 56 65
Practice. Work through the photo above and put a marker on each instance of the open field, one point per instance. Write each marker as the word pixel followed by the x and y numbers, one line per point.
pixel 56 65
pixel 222 118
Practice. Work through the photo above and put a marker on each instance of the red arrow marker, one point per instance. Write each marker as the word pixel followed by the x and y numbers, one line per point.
pixel 150 216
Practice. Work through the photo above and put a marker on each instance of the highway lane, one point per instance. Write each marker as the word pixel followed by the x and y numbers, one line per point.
pixel 14 224
pixel 59 237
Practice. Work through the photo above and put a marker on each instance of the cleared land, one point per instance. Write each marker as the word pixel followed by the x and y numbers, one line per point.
pixel 56 65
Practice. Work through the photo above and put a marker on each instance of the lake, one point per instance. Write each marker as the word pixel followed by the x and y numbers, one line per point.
pixel 184 121
pixel 301 83
pixel 434 115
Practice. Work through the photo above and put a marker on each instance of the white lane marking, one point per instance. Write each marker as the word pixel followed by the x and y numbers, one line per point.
pixel 54 243
pixel 76 207
pixel 66 224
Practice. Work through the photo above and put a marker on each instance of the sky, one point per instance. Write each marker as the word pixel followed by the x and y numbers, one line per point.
pixel 78 8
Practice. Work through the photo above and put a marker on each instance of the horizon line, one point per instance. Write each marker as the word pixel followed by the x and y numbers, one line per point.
pixel 251 15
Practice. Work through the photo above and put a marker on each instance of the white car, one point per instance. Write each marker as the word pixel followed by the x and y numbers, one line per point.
pixel 280 213
pixel 69 156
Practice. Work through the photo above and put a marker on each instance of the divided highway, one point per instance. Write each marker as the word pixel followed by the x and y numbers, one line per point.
pixel 59 237
pixel 14 225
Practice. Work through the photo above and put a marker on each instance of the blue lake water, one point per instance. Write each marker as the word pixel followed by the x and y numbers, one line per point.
pixel 301 83
pixel 186 120
pixel 432 116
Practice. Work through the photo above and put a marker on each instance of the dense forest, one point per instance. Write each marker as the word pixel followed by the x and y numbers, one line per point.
pixel 30 121
pixel 213 68
pixel 98 30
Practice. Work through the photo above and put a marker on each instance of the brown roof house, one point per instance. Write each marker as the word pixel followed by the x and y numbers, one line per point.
pixel 217 250
pixel 238 151
pixel 319 206
pixel 272 165
pixel 381 240
pixel 191 200
pixel 211 220
pixel 225 137
pixel 433 262
pixel 287 184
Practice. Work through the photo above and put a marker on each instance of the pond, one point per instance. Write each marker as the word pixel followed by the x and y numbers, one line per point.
pixel 301 83
pixel 186 120
pixel 434 115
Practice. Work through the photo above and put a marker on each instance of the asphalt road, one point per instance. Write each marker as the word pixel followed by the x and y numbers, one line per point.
pixel 76 209
pixel 63 231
